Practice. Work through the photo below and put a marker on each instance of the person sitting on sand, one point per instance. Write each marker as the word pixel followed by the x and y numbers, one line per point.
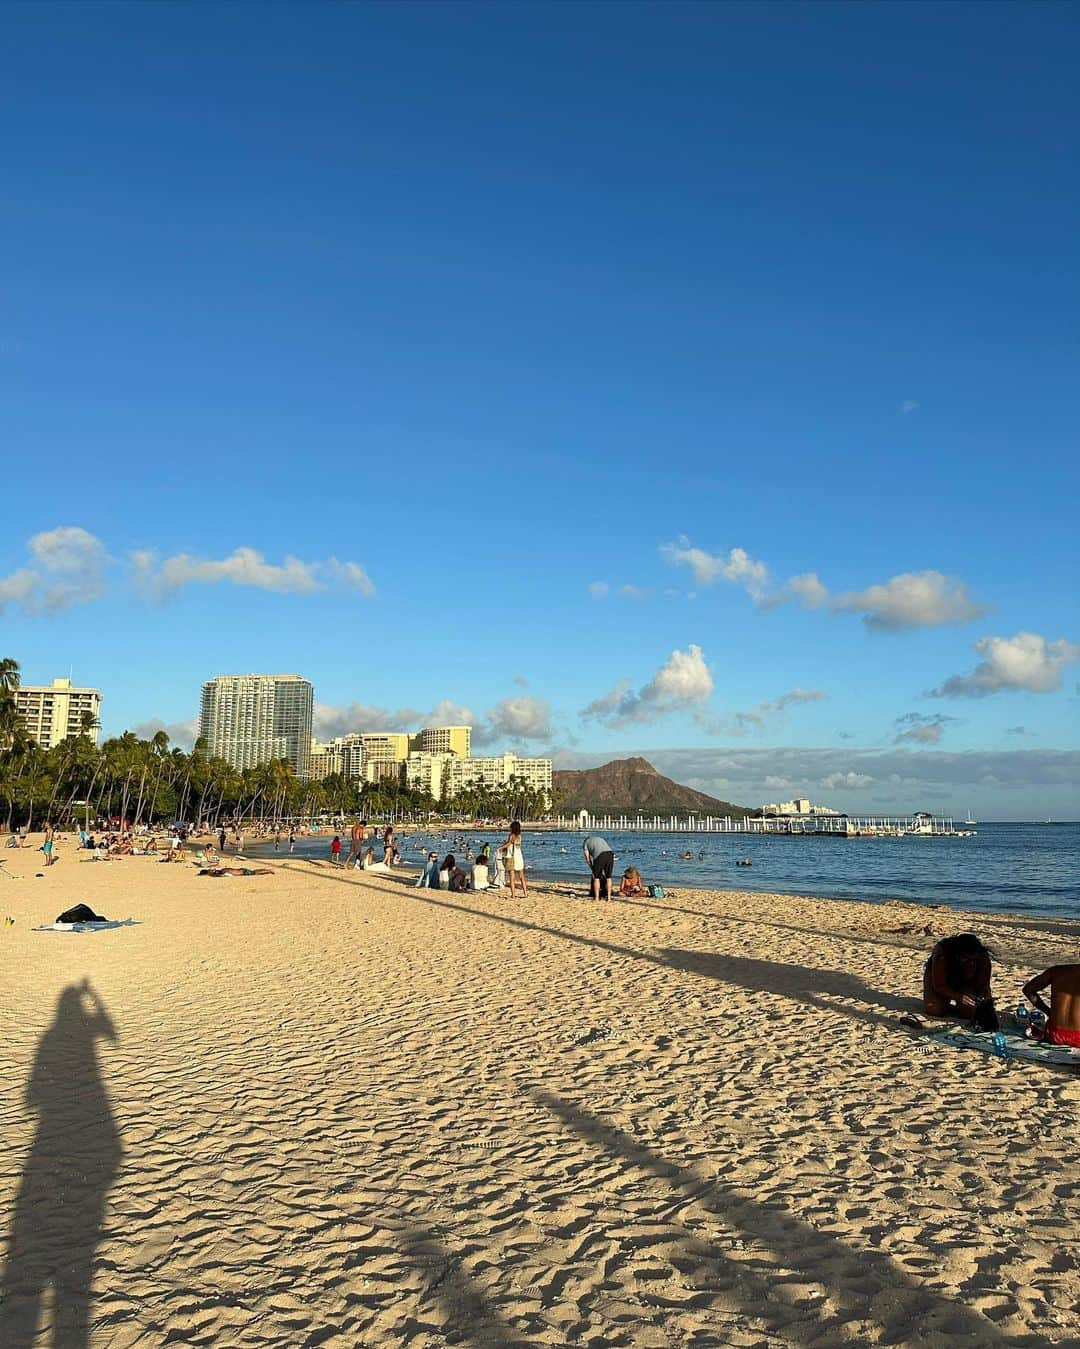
pixel 367 861
pixel 1063 1013
pixel 445 871
pixel 429 877
pixel 956 981
pixel 631 884
pixel 459 880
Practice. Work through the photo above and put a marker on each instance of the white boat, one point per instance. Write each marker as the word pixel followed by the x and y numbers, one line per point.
pixel 969 820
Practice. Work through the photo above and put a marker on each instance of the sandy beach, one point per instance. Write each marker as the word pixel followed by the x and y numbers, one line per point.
pixel 326 1108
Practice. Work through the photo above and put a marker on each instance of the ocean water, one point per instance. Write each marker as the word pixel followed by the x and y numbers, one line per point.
pixel 1031 869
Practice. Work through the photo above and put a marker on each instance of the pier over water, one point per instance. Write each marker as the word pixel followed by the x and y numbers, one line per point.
pixel 920 825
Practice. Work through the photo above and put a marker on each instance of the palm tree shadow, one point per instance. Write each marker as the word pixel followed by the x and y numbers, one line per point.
pixel 73 1161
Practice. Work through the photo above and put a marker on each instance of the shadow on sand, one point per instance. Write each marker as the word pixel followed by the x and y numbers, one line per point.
pixel 73 1161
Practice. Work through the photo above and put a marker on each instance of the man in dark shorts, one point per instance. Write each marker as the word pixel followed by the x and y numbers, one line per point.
pixel 601 860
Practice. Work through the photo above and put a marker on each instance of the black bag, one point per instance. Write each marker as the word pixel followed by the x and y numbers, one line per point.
pixel 81 913
pixel 983 1016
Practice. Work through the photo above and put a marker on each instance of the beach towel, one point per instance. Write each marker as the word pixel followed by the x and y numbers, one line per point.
pixel 98 925
pixel 1007 1046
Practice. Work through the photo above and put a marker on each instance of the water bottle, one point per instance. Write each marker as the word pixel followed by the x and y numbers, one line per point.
pixel 1001 1048
pixel 1022 1014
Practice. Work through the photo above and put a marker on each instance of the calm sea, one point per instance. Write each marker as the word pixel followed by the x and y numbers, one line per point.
pixel 1017 868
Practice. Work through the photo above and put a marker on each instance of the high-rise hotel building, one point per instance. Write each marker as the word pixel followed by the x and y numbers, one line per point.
pixel 52 712
pixel 247 720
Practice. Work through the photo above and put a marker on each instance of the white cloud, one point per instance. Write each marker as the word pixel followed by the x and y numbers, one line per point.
pixel 808 590
pixel 757 717
pixel 920 728
pixel 246 567
pixel 775 783
pixel 708 568
pixel 598 589
pixel 351 575
pixel 1025 662
pixel 832 781
pixel 516 719
pixel 683 681
pixel 519 718
pixel 923 599
pixel 67 567
pixel 182 733
pixel 908 406
pixel 17 587
pixel 633 592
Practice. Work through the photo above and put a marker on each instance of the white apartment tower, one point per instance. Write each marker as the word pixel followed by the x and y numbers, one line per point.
pixel 247 720
pixel 52 712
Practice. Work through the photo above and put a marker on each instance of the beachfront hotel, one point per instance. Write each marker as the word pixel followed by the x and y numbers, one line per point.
pixel 446 774
pixel 443 771
pixel 247 720
pixel 498 771
pixel 445 740
pixel 52 712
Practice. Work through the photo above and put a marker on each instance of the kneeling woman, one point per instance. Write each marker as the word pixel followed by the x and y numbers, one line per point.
pixel 956 981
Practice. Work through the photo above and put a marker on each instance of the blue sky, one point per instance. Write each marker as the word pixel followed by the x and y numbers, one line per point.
pixel 474 311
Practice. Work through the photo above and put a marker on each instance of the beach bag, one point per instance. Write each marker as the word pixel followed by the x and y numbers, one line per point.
pixel 656 892
pixel 81 913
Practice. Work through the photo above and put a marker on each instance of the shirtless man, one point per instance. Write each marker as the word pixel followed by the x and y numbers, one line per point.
pixel 1063 1014
pixel 356 847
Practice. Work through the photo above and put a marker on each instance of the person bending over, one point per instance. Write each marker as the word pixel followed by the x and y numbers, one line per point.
pixel 1063 1014
pixel 601 860
pixel 956 981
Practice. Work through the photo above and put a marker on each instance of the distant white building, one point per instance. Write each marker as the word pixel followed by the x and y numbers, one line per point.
pixel 801 805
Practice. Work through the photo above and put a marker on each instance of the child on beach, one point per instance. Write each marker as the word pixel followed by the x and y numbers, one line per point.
pixel 335 852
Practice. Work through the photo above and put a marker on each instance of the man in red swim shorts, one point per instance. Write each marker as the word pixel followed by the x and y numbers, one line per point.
pixel 1063 1014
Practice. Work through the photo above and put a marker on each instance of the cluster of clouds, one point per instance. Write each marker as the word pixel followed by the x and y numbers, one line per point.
pixel 65 566
pixel 914 599
pixel 758 717
pixel 1024 662
pixel 68 566
pixel 921 728
pixel 514 720
pixel 684 683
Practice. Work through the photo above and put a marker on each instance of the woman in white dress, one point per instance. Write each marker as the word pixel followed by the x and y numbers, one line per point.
pixel 515 860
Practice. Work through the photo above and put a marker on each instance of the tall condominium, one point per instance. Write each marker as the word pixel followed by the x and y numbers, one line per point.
pixel 247 720
pixel 52 712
